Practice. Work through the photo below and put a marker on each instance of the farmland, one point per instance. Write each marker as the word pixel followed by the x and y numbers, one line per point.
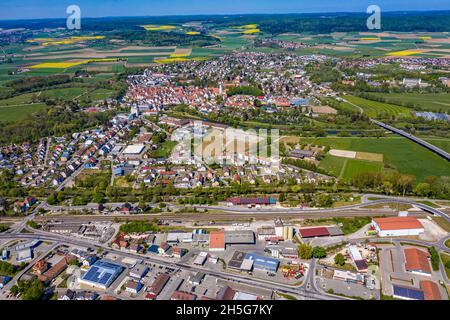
pixel 437 102
pixel 399 154
pixel 378 109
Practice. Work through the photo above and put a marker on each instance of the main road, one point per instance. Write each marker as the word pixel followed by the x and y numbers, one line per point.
pixel 310 293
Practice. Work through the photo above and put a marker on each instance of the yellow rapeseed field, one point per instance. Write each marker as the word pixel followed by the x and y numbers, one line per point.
pixel 179 59
pixel 157 28
pixel 69 64
pixel 192 33
pixel 179 55
pixel 251 31
pixel 71 40
pixel 403 53
pixel 58 65
pixel 247 26
pixel 370 39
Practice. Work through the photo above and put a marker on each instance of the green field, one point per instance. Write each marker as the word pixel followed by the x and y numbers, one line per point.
pixel 376 109
pixel 444 144
pixel 164 150
pixel 19 112
pixel 399 154
pixel 345 168
pixel 437 102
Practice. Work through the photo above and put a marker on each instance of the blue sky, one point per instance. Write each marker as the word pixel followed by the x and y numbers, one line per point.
pixel 34 9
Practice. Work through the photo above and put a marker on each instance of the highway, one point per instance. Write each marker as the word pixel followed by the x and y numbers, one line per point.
pixel 419 141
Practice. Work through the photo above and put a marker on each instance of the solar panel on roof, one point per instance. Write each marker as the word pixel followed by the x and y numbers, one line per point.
pixel 410 293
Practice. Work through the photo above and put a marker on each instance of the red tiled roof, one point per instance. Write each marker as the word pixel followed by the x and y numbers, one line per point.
pixel 180 295
pixel 314 232
pixel 398 223
pixel 430 290
pixel 417 260
pixel 217 239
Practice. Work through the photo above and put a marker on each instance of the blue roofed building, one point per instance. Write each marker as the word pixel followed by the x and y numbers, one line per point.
pixel 262 263
pixel 153 249
pixel 299 102
pixel 101 274
pixel 408 293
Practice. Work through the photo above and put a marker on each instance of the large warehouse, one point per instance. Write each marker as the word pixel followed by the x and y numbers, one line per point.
pixel 397 226
pixel 416 261
pixel 101 274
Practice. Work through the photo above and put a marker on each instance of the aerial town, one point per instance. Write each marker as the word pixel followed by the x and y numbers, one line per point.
pixel 255 174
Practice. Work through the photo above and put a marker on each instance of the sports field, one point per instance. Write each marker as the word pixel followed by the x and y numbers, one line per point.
pixel 399 154
pixel 375 109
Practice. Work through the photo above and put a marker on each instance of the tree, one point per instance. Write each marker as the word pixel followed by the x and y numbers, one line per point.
pixel 422 189
pixel 98 198
pixel 305 251
pixel 32 289
pixel 324 200
pixel 51 200
pixel 319 252
pixel 339 259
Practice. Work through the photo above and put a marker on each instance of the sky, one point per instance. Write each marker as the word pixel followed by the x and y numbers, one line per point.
pixel 40 9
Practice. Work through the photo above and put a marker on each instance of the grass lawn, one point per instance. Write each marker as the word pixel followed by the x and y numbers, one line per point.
pixel 355 166
pixel 164 150
pixel 447 243
pixel 398 153
pixel 374 108
pixel 286 296
pixel 444 144
pixel 444 224
pixel 333 164
pixel 348 225
pixel 446 259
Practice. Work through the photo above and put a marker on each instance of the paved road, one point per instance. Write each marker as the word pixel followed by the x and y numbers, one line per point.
pixel 296 291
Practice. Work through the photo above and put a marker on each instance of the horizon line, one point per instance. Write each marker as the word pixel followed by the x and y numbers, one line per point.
pixel 231 14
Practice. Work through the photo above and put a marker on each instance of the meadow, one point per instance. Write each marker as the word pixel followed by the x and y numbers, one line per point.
pixel 399 154
pixel 19 112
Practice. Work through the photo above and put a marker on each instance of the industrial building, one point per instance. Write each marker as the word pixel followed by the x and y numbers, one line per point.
pixel 101 274
pixel 314 232
pixel 416 261
pixel 397 226
pixel 284 230
pixel 201 258
pixel 218 240
pixel 133 152
pixel 428 290
pixel 155 289
pixel 406 293
pixel 251 201
pixel 250 261
pixel 239 237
